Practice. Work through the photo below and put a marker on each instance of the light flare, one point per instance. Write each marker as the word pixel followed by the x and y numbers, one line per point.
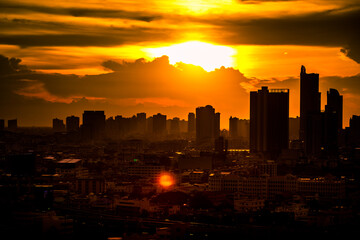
pixel 166 180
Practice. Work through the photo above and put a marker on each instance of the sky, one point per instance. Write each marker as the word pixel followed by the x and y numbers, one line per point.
pixel 59 58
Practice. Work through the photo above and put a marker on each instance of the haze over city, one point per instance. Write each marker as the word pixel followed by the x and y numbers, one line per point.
pixel 168 57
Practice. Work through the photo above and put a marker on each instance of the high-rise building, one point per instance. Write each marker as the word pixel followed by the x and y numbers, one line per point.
pixel 175 126
pixel 335 105
pixel 310 99
pixel 12 125
pixel 354 131
pixel 58 125
pixel 269 121
pixel 207 125
pixel 141 122
pixel 244 132
pixel 191 122
pixel 72 124
pixel 159 125
pixel 233 127
pixel 93 127
pixel 332 122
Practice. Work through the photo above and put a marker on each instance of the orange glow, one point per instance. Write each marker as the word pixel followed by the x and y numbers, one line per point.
pixel 206 55
pixel 166 180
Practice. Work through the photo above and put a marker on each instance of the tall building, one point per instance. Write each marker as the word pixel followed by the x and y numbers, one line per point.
pixel 72 124
pixel 233 127
pixel 354 131
pixel 310 99
pixel 58 125
pixel 12 125
pixel 159 125
pixel 93 127
pixel 335 105
pixel 141 122
pixel 332 122
pixel 207 125
pixel 175 126
pixel 269 121
pixel 191 122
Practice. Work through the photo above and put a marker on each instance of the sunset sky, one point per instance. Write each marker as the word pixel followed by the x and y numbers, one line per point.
pixel 153 56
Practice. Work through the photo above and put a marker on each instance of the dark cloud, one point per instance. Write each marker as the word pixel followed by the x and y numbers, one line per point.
pixel 150 86
pixel 11 66
pixel 140 85
pixel 11 7
pixel 99 37
pixel 338 27
pixel 352 51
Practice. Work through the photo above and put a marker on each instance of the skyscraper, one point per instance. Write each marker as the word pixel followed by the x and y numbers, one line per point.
pixel 310 98
pixel 335 105
pixel 191 123
pixel 93 127
pixel 175 126
pixel 72 124
pixel 58 125
pixel 269 121
pixel 233 127
pixel 12 125
pixel 141 123
pixel 159 125
pixel 207 125
pixel 332 122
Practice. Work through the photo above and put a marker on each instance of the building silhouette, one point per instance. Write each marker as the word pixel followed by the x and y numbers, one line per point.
pixel 207 125
pixel 233 127
pixel 58 125
pixel 332 122
pixel 175 126
pixel 2 124
pixel 354 132
pixel 72 124
pixel 159 125
pixel 191 123
pixel 269 121
pixel 310 114
pixel 310 98
pixel 335 105
pixel 93 127
pixel 141 123
pixel 12 125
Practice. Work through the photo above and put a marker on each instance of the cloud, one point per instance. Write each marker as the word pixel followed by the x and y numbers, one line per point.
pixel 11 7
pixel 132 86
pixel 11 65
pixel 79 36
pixel 336 27
pixel 147 86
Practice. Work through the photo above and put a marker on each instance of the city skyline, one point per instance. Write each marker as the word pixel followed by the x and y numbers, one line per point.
pixel 183 119
pixel 167 57
pixel 303 75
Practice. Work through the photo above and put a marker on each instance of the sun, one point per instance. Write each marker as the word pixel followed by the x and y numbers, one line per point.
pixel 206 55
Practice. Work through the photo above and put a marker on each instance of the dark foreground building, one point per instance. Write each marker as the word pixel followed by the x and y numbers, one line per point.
pixel 269 121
